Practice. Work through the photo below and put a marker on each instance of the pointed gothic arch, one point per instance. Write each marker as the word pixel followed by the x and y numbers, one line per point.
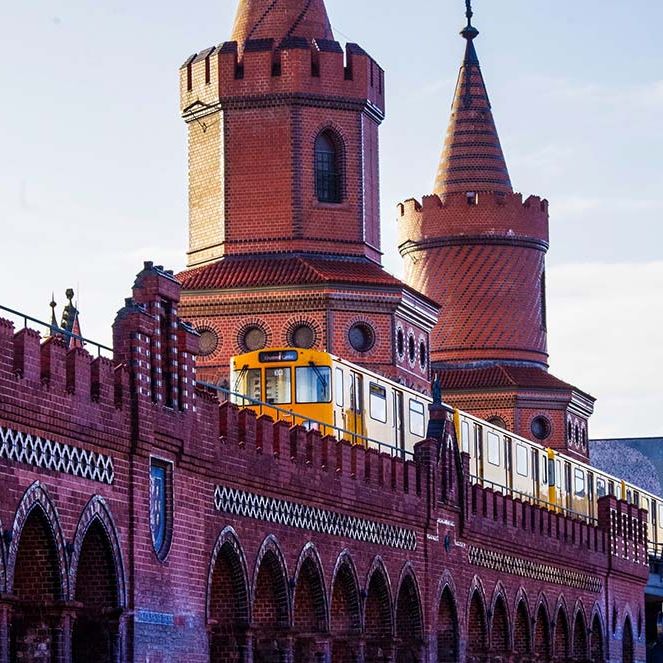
pixel 97 584
pixel 409 617
pixel 345 609
pixel 378 612
pixel 500 629
pixel 628 648
pixel 562 632
pixel 477 624
pixel 522 629
pixel 97 511
pixel 36 497
pixel 310 605
pixel 228 604
pixel 447 627
pixel 597 637
pixel 580 644
pixel 542 631
pixel 271 611
pixel 36 552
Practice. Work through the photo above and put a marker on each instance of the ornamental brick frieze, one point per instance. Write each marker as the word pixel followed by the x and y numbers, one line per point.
pixel 301 516
pixel 525 568
pixel 47 454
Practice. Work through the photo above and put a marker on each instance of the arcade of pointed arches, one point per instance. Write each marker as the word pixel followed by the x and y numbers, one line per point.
pixel 272 613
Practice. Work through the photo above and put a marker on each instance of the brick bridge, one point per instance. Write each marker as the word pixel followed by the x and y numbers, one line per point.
pixel 143 520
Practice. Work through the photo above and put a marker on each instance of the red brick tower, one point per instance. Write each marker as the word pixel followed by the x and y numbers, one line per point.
pixel 477 248
pixel 284 241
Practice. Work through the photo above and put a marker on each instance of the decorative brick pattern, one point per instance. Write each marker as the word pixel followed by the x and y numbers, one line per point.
pixel 56 456
pixel 527 568
pixel 300 516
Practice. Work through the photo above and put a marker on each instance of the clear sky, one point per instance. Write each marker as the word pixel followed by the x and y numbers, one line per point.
pixel 93 156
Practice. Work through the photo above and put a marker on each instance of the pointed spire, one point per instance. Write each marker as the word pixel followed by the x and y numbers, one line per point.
pixel 54 320
pixel 472 159
pixel 281 19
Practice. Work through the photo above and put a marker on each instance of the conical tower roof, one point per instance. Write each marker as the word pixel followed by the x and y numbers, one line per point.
pixel 281 19
pixel 472 159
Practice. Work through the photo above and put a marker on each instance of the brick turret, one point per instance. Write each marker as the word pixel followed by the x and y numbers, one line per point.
pixel 254 109
pixel 479 249
pixel 284 224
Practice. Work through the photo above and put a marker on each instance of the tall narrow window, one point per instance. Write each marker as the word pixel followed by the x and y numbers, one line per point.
pixel 327 168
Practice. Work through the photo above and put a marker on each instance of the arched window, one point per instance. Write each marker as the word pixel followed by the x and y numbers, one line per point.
pixel 327 168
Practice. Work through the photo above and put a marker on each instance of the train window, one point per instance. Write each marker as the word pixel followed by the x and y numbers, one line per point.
pixel 629 497
pixel 660 513
pixel 558 473
pixel 544 469
pixel 277 385
pixel 493 444
pixel 552 478
pixel 611 488
pixel 247 383
pixel 600 487
pixel 313 384
pixel 339 387
pixel 417 421
pixel 522 460
pixel 465 435
pixel 579 483
pixel 645 505
pixel 636 498
pixel 377 402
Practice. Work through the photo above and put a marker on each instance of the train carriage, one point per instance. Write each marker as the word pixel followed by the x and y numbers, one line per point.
pixel 321 391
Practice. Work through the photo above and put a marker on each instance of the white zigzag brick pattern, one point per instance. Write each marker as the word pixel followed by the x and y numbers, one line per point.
pixel 525 568
pixel 49 455
pixel 301 516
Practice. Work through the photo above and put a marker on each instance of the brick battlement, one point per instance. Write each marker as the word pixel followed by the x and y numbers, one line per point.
pixel 45 365
pixel 328 459
pixel 218 77
pixel 484 215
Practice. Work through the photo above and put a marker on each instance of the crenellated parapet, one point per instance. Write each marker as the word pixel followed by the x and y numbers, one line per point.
pixel 267 74
pixel 466 218
pixel 46 367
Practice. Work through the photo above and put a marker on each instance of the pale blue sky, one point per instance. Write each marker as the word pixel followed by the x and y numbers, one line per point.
pixel 93 167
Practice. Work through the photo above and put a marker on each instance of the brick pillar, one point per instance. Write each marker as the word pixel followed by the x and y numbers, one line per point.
pixel 288 650
pixel 5 620
pixel 62 632
pixel 246 649
pixel 361 651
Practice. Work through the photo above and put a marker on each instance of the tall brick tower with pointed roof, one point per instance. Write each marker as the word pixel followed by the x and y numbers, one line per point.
pixel 284 223
pixel 479 249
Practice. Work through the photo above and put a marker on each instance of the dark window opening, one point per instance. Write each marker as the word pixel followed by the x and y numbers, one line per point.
pixel 327 169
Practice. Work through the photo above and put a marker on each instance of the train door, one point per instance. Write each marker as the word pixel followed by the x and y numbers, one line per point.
pixel 536 475
pixel 653 513
pixel 591 507
pixel 568 487
pixel 508 463
pixel 356 418
pixel 478 452
pixel 399 419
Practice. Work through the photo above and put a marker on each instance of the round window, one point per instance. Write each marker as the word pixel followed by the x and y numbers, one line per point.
pixel 423 354
pixel 361 337
pixel 303 336
pixel 541 428
pixel 400 343
pixel 254 338
pixel 209 342
pixel 411 349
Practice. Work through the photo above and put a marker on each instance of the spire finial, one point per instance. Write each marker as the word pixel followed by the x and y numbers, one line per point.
pixel 469 32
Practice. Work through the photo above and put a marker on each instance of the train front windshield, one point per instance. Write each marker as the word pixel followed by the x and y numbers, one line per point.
pixel 282 382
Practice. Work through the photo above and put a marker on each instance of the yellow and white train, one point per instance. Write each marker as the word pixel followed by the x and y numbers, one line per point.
pixel 321 391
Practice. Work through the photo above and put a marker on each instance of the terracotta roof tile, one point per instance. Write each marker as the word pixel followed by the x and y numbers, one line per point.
pixel 499 377
pixel 265 271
